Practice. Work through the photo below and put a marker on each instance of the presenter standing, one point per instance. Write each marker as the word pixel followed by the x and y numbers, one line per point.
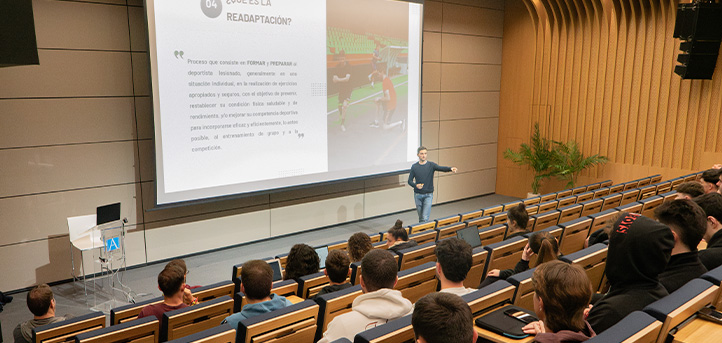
pixel 421 179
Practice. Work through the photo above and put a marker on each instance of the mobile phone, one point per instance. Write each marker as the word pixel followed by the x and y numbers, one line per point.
pixel 520 316
pixel 710 314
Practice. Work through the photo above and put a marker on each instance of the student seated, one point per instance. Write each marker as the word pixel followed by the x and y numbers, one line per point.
pixel 639 249
pixel 517 220
pixel 398 239
pixel 337 270
pixel 302 260
pixel 358 245
pixel 711 204
pixel 689 190
pixel 561 295
pixel 42 304
pixel 688 223
pixel 188 297
pixel 602 235
pixel 170 282
pixel 710 179
pixel 453 262
pixel 541 243
pixel 443 318
pixel 256 284
pixel 379 304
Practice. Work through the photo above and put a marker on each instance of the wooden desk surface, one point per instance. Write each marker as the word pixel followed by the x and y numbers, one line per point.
pixel 294 299
pixel 699 331
pixel 494 337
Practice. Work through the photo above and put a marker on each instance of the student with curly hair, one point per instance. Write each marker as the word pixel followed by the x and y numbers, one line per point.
pixel 302 260
pixel 358 245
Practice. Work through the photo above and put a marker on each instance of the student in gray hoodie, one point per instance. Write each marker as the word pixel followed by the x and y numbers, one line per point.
pixel 42 304
pixel 379 304
pixel 256 284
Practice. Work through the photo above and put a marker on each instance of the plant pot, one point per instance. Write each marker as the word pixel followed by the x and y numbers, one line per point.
pixel 531 195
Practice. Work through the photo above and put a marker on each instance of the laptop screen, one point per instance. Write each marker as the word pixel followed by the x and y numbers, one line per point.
pixel 276 266
pixel 322 252
pixel 470 235
pixel 107 213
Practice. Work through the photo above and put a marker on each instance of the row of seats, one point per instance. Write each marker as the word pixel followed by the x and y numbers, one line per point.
pixel 414 281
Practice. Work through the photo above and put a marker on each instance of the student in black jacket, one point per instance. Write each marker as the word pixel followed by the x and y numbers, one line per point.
pixel 337 270
pixel 688 223
pixel 398 239
pixel 711 203
pixel 639 249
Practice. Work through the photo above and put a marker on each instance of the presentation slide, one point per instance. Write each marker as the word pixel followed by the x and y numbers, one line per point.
pixel 258 95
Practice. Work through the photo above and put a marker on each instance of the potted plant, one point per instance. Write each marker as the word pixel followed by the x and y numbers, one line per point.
pixel 569 161
pixel 539 156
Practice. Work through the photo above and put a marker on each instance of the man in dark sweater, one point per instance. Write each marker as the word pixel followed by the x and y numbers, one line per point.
pixel 639 249
pixel 688 223
pixel 711 203
pixel 421 179
pixel 337 271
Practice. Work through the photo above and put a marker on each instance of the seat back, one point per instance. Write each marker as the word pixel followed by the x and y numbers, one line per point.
pixel 193 319
pixel 594 186
pixel 488 211
pixel 508 205
pixel 566 201
pixel 601 219
pixel 592 260
pixel 524 294
pixel 675 308
pixel 338 245
pixel 655 178
pixel 499 218
pixel 636 327
pixel 634 207
pixel 295 323
pixel 480 222
pixel 630 196
pixel 601 192
pixel 563 194
pixel 65 330
pixel 427 236
pixel 447 220
pixel 618 188
pixel 690 177
pixel 310 285
pixel 547 206
pixel 647 191
pixel 478 263
pixel 582 197
pixel 650 204
pixel 129 312
pixel 215 290
pixel 664 187
pixel 421 227
pixel 416 282
pixel 505 254
pixel 416 256
pixel 547 197
pixel 355 272
pixel 676 182
pixel 492 234
pixel 470 215
pixel 219 334
pixel 545 220
pixel 531 201
pixel 715 277
pixel 606 183
pixel 448 231
pixel 491 296
pixel 630 185
pixel 144 330
pixel 669 196
pixel 570 212
pixel 611 201
pixel 591 206
pixel 283 287
pixel 579 190
pixel 533 209
pixel 574 235
pixel 395 331
pixel 334 304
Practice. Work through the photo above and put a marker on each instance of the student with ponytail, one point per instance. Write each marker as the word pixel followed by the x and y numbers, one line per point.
pixel 398 239
pixel 543 244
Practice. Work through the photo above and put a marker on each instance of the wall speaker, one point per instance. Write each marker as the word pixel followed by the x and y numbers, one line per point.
pixel 17 33
pixel 699 27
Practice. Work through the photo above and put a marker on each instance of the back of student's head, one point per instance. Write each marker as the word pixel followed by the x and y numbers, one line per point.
pixel 39 299
pixel 711 204
pixel 686 219
pixel 180 264
pixel 398 232
pixel 257 279
pixel 443 318
pixel 454 256
pixel 710 178
pixel 302 260
pixel 337 263
pixel 519 215
pixel 379 270
pixel 692 189
pixel 545 246
pixel 358 245
pixel 565 291
pixel 170 280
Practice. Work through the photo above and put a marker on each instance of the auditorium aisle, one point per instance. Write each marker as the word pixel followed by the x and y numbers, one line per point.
pixel 211 267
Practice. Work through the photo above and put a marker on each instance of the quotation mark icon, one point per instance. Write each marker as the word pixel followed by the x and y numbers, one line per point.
pixel 178 53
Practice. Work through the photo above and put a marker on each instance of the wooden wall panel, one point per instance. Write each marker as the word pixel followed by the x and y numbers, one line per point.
pixel 601 73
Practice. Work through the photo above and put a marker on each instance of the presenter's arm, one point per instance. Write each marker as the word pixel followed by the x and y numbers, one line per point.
pixel 411 179
pixel 444 169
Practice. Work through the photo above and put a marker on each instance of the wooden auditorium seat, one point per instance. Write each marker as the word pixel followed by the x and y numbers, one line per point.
pixel 591 206
pixel 129 312
pixel 564 193
pixel 633 207
pixel 213 291
pixel 296 323
pixel 416 256
pixel 505 254
pixel 488 211
pixel 420 227
pixel 547 197
pixel 618 188
pixel 655 178
pixel 492 234
pixel 524 293
pixel 574 234
pixel 448 231
pixel 636 327
pixel 650 204
pixel 547 206
pixel 144 330
pixel 570 212
pixel 427 236
pixel 395 331
pixel 310 285
pixel 476 274
pixel 193 319
pixel 647 191
pixel 599 220
pixel 592 260
pixel 611 201
pixel 334 304
pixel 566 201
pixel 65 330
pixel 480 222
pixel 582 197
pixel 447 220
pixel 531 201
pixel 499 218
pixel 579 190
pixel 605 183
pixel 219 334
pixel 545 220
pixel 470 215
pixel 490 297
pixel 508 205
pixel 601 192
pixel 669 196
pixel 418 281
pixel 630 196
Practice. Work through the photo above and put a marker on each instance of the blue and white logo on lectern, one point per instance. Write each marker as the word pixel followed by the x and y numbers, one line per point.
pixel 112 244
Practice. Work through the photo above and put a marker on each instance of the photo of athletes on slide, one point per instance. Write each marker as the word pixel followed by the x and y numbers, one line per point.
pixel 367 78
